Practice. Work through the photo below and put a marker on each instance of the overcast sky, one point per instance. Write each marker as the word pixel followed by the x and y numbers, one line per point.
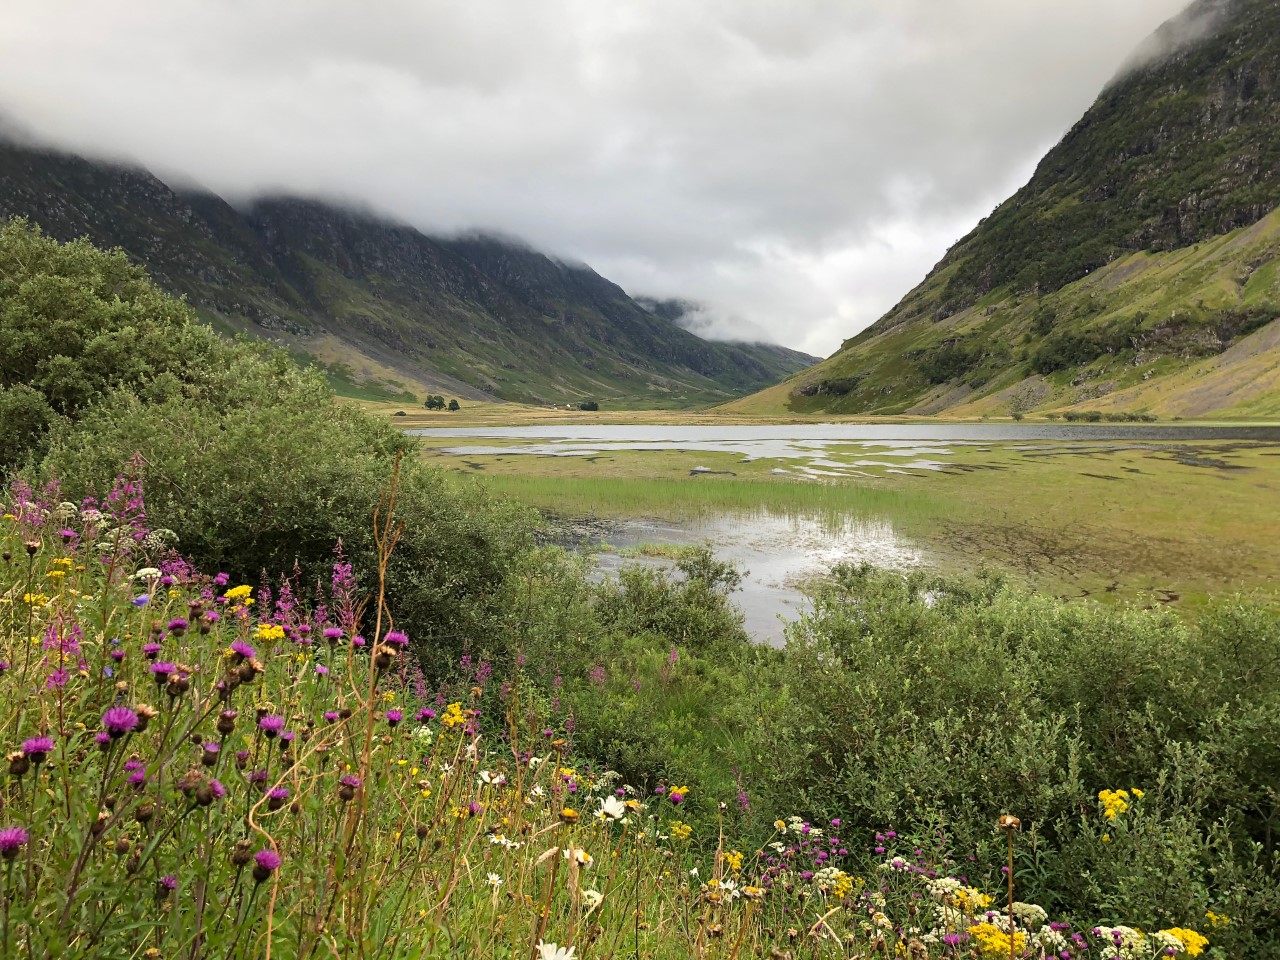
pixel 796 165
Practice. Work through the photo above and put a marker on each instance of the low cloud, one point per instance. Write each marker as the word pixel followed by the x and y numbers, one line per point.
pixel 794 167
pixel 1192 25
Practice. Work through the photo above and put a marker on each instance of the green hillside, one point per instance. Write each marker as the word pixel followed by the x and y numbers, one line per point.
pixel 382 307
pixel 1135 272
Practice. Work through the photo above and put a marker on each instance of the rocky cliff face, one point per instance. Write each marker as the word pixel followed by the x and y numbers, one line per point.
pixel 477 316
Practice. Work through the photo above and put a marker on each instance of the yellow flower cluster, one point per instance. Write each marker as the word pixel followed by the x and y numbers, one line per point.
pixel 971 900
pixel 1193 943
pixel 238 593
pixel 1217 919
pixel 453 716
pixel 994 942
pixel 734 859
pixel 843 886
pixel 269 632
pixel 1116 802
pixel 681 830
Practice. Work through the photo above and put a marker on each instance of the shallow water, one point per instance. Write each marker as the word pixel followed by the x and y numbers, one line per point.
pixel 776 555
pixel 811 448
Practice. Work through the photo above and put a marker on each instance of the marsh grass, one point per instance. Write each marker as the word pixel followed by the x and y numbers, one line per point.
pixel 701 497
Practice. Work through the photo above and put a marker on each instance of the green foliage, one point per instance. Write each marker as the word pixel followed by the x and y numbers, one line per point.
pixel 434 402
pixel 589 405
pixel 100 370
pixel 454 406
pixel 928 701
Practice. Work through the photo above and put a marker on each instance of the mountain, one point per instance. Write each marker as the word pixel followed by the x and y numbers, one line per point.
pixel 384 308
pixel 1138 270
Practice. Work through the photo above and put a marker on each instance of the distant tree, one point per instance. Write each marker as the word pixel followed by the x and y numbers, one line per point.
pixel 453 405
pixel 588 405
pixel 434 402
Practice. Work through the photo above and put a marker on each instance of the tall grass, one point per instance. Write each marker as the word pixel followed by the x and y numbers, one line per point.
pixel 198 768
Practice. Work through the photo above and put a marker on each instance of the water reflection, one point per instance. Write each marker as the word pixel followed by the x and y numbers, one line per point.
pixel 778 554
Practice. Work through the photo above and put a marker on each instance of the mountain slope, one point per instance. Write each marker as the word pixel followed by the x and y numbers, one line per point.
pixel 382 303
pixel 1143 246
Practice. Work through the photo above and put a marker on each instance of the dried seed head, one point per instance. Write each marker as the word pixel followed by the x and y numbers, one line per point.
pixel 1008 822
pixel 241 853
pixel 227 722
pixel 18 763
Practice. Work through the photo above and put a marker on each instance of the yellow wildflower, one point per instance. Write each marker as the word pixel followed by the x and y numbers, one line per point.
pixel 1114 802
pixel 1217 919
pixel 453 716
pixel 680 830
pixel 994 942
pixel 734 859
pixel 1193 943
pixel 238 593
pixel 269 632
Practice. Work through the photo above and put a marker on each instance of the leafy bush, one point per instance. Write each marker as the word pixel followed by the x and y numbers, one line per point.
pixel 251 461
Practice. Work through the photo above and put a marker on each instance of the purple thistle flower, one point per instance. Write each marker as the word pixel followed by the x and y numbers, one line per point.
pixel 37 748
pixel 396 639
pixel 331 716
pixel 242 651
pixel 278 793
pixel 357 641
pixel 151 650
pixel 394 717
pixel 271 725
pixel 102 739
pixel 425 714
pixel 218 790
pixel 161 670
pixel 4 666
pixel 178 625
pixel 12 839
pixel 117 655
pixel 266 862
pixel 119 721
pixel 168 883
pixel 333 634
pixel 350 780
pixel 322 670
pixel 212 616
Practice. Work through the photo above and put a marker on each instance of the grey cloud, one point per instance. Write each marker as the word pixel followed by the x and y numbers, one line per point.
pixel 794 166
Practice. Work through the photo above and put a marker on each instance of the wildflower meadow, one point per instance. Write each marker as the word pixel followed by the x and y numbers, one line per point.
pixel 203 768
